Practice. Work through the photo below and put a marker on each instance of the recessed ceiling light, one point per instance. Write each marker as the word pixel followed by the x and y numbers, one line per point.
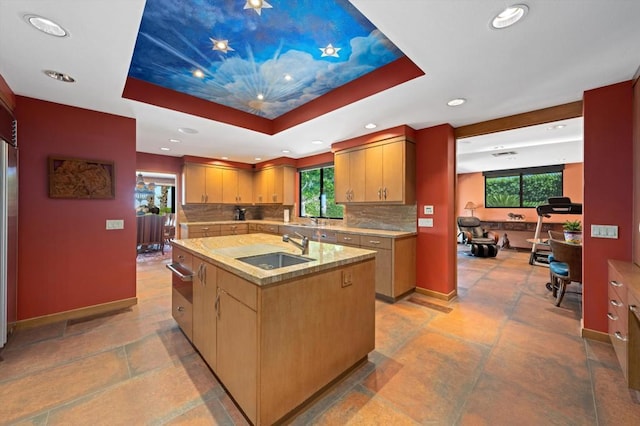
pixel 260 96
pixel 456 102
pixel 557 126
pixel 370 126
pixel 317 142
pixel 187 130
pixel 288 77
pixel 221 45
pixel 59 76
pixel 198 74
pixel 165 149
pixel 174 140
pixel 509 16
pixel 45 25
pixel 225 158
pixel 257 158
pixel 257 5
pixel 285 151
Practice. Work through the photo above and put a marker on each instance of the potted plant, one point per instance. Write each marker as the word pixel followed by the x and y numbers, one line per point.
pixel 572 231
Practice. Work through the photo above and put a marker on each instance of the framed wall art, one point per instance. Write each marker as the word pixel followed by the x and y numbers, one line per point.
pixel 80 178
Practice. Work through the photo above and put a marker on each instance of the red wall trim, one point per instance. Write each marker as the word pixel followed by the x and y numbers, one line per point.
pixel 6 95
pixel 315 160
pixel 215 162
pixel 608 192
pixel 397 72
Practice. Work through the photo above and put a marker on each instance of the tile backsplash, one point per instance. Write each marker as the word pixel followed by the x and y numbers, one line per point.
pixel 386 217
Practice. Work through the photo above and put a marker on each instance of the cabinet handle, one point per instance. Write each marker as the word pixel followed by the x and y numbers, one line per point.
pixel 374 242
pixel 619 336
pixel 347 238
pixel 615 303
pixel 180 258
pixel 216 305
pixel 379 193
pixel 202 198
pixel 612 317
pixel 180 308
pixel 385 193
pixel 615 283
pixel 633 308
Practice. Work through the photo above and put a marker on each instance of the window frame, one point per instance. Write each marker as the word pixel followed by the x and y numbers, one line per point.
pixel 520 173
pixel 320 167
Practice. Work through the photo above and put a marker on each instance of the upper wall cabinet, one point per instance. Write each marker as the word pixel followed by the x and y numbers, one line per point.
pixel 381 172
pixel 201 184
pixel 274 185
pixel 237 186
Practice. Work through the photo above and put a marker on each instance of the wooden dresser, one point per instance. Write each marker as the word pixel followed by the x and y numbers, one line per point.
pixel 624 318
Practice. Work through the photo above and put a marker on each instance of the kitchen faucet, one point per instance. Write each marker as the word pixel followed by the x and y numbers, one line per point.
pixel 304 245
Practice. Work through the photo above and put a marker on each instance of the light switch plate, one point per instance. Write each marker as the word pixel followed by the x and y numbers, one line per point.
pixel 425 222
pixel 604 231
pixel 428 209
pixel 115 224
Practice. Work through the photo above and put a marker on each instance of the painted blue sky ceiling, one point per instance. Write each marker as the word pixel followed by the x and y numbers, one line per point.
pixel 275 61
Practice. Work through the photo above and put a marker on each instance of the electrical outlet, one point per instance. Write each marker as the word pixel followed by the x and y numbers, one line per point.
pixel 115 224
pixel 347 278
pixel 425 222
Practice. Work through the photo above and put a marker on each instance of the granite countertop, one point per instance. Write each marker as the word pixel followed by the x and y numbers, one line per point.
pixel 327 228
pixel 223 251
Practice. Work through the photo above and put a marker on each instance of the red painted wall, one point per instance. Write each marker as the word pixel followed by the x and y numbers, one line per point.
pixel 608 191
pixel 67 259
pixel 636 171
pixel 435 185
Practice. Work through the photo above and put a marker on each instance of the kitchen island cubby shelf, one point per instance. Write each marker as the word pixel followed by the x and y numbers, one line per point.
pixel 259 328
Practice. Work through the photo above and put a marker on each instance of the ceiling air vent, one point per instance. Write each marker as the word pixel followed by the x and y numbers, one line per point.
pixel 502 154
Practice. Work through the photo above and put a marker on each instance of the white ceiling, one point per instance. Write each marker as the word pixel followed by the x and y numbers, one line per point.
pixel 561 49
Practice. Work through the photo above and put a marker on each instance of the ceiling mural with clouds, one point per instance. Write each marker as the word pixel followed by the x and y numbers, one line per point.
pixel 263 57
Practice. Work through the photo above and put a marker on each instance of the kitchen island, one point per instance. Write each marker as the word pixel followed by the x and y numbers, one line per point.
pixel 274 337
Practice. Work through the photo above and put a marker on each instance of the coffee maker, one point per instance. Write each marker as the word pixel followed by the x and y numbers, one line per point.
pixel 239 214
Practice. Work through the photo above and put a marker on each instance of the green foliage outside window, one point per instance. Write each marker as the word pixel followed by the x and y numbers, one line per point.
pixel 317 194
pixel 522 189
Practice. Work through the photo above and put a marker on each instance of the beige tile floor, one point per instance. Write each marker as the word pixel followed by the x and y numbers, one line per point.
pixel 503 355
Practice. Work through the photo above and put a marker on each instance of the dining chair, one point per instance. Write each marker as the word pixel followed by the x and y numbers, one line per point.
pixel 565 266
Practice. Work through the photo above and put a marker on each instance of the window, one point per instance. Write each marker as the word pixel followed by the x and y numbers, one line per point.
pixel 522 187
pixel 318 195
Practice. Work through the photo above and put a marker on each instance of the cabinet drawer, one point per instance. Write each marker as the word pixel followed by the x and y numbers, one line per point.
pixel 240 289
pixel 348 239
pixel 183 257
pixel 376 242
pixel 270 229
pixel 234 229
pixel 182 310
pixel 617 314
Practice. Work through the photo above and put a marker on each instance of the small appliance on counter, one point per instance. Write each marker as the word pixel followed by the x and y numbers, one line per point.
pixel 239 214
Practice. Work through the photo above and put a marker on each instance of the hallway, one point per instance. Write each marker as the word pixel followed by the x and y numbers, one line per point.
pixel 502 354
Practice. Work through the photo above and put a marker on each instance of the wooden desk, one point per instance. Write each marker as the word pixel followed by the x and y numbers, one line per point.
pixel 519 232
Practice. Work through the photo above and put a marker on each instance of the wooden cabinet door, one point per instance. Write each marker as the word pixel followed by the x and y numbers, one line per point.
pixel 392 172
pixel 245 186
pixel 258 187
pixel 194 183
pixel 229 186
pixel 341 177
pixel 204 311
pixel 268 185
pixel 373 174
pixel 357 168
pixel 214 185
pixel 384 276
pixel 237 362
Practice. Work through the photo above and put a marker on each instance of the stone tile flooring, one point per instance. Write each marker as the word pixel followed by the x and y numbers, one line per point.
pixel 503 355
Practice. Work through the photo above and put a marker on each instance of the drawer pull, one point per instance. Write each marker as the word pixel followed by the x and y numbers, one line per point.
pixel 633 308
pixel 615 303
pixel 615 283
pixel 619 336
pixel 180 258
pixel 180 308
pixel 374 242
pixel 347 238
pixel 612 317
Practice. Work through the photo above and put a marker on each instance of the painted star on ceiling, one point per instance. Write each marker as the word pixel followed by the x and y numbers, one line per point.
pixel 329 50
pixel 221 45
pixel 257 5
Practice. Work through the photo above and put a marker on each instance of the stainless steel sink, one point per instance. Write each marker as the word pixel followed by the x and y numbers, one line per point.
pixel 274 260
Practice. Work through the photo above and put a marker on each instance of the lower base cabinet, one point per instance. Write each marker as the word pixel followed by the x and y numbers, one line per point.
pixel 279 345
